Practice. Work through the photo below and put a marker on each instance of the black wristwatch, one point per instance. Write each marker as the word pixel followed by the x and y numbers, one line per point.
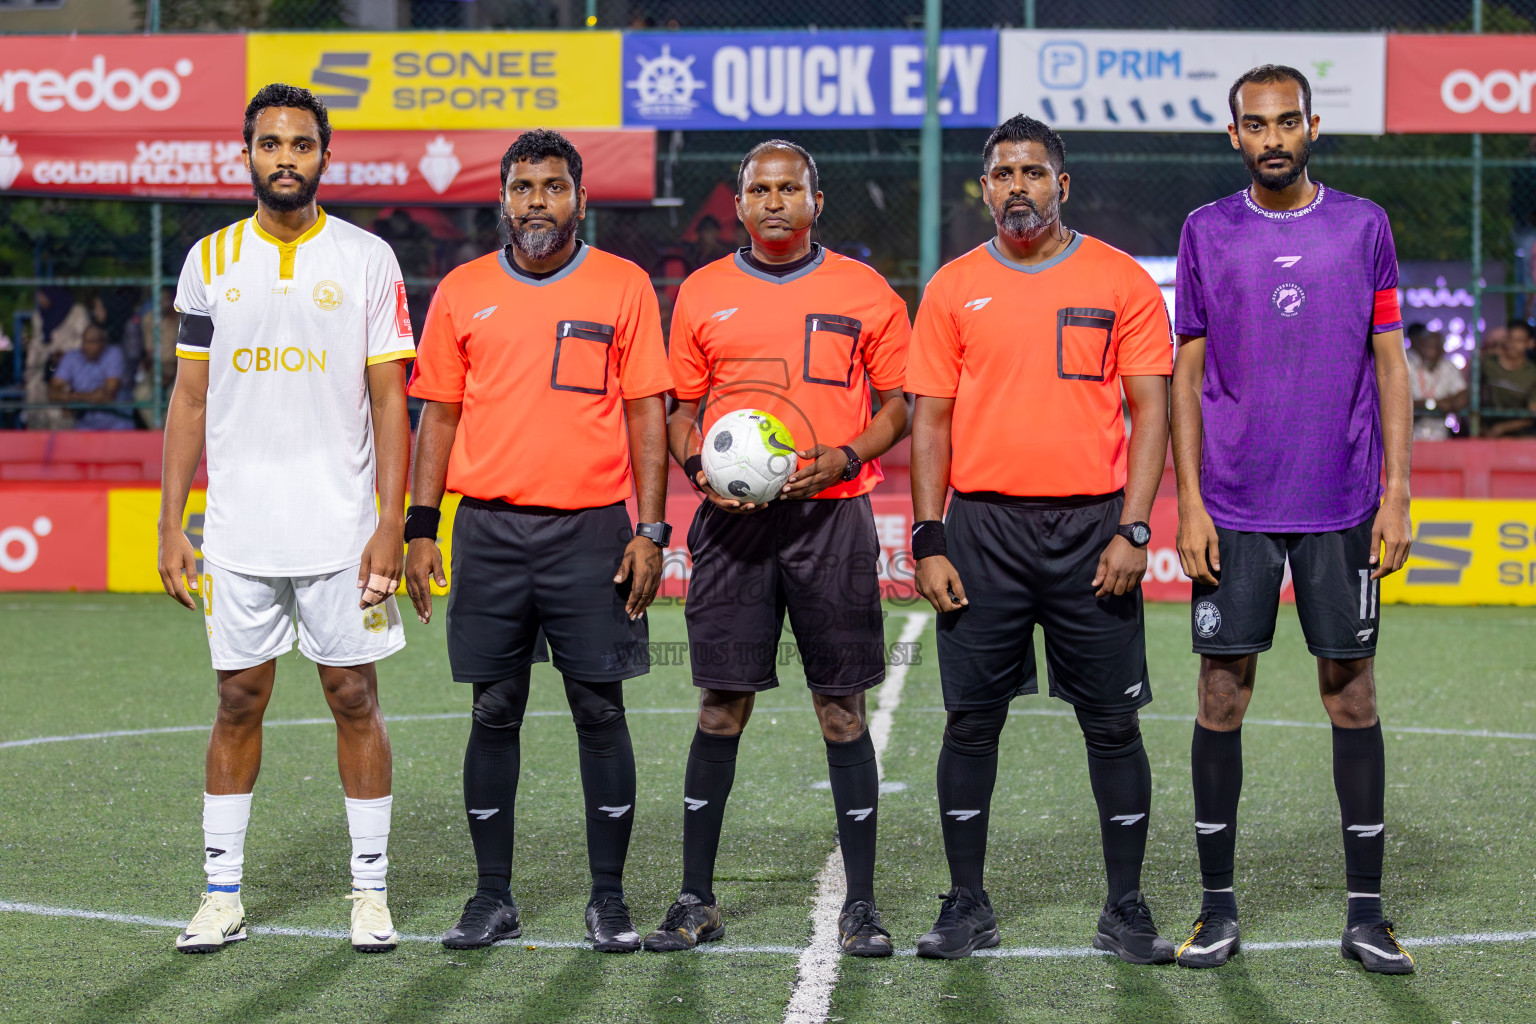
pixel 854 462
pixel 659 533
pixel 1139 534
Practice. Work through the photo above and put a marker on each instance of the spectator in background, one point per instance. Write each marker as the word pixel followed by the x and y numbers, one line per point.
pixel 1437 385
pixel 92 373
pixel 1509 382
pixel 59 320
pixel 1522 334
pixel 710 246
pixel 142 368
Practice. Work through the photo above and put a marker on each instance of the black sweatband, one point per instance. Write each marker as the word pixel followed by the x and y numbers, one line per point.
pixel 421 522
pixel 928 539
pixel 693 465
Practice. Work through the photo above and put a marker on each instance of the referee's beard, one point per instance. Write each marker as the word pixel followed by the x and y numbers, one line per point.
pixel 539 244
pixel 285 202
pixel 1023 221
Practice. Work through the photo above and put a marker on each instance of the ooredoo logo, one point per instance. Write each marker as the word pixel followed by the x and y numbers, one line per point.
pixel 19 545
pixel 1500 91
pixel 86 89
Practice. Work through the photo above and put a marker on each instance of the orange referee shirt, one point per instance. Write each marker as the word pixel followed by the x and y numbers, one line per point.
pixel 799 346
pixel 1033 358
pixel 542 368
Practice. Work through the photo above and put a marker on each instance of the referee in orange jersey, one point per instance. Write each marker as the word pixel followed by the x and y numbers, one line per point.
pixel 544 374
pixel 791 328
pixel 1019 355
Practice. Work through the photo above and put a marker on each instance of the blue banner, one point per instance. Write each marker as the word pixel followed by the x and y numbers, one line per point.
pixel 869 79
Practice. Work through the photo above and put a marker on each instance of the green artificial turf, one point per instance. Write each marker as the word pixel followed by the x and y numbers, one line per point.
pixel 112 826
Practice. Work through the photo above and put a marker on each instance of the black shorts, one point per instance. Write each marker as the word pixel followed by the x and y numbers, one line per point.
pixel 1022 563
pixel 518 572
pixel 1338 602
pixel 819 561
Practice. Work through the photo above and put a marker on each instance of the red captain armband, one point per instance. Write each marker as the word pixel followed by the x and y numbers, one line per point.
pixel 1386 316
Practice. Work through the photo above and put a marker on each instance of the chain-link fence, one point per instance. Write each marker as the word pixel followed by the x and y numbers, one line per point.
pixel 1460 205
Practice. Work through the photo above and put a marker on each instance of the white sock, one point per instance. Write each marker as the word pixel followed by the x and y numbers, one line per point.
pixel 368 823
pixel 225 818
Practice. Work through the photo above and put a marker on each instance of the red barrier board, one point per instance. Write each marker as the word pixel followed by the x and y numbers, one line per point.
pixel 1461 83
pixel 53 538
pixel 372 168
pixel 149 83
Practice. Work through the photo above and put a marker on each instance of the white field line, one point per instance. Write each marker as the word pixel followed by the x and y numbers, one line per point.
pixel 1032 952
pixel 816 976
pixel 163 730
pixel 1414 730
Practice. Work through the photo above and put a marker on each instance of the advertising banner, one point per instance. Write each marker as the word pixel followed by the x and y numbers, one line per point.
pixel 120 83
pixel 53 538
pixel 440 80
pixel 1461 83
pixel 871 79
pixel 1468 552
pixel 1095 80
pixel 375 168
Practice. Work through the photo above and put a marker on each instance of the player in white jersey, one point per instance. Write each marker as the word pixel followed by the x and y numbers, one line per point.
pixel 293 341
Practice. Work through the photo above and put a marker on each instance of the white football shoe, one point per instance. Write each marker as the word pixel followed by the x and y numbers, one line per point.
pixel 372 929
pixel 220 920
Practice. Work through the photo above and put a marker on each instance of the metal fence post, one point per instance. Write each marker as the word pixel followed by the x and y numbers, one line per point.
pixel 1476 376
pixel 929 179
pixel 157 260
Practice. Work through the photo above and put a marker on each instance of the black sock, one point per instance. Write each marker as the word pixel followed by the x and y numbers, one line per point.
pixel 491 763
pixel 1360 778
pixel 607 779
pixel 1121 778
pixel 1216 771
pixel 706 786
pixel 856 795
pixel 967 774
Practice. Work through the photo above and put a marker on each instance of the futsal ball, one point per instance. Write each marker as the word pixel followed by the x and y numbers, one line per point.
pixel 748 455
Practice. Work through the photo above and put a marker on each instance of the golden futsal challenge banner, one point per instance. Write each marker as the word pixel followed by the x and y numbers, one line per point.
pixel 442 80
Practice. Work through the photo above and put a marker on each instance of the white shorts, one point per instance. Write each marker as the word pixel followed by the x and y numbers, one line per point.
pixel 250 619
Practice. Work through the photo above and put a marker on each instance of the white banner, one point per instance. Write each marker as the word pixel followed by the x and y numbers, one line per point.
pixel 1178 81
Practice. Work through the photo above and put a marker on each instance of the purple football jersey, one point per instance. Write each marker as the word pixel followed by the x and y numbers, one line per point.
pixel 1288 303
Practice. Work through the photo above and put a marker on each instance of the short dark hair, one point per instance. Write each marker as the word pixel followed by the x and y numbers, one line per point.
pixel 1524 325
pixel 767 146
pixel 538 144
pixel 1019 128
pixel 279 94
pixel 1269 74
pixel 1416 331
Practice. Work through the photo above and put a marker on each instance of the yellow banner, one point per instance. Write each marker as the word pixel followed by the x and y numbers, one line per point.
pixel 1468 552
pixel 432 80
pixel 133 538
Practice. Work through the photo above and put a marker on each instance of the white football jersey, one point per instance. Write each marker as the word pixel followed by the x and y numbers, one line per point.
pixel 289 423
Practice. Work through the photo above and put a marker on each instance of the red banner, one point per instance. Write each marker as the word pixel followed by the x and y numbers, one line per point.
pixel 1461 84
pixel 143 83
pixel 374 168
pixel 53 538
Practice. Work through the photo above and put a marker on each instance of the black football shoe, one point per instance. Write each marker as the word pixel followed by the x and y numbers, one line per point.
pixel 486 920
pixel 1126 930
pixel 689 922
pixel 1213 941
pixel 859 931
pixel 1377 949
pixel 609 928
pixel 966 923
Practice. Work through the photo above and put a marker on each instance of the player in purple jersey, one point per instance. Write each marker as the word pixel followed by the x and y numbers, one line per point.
pixel 1289 390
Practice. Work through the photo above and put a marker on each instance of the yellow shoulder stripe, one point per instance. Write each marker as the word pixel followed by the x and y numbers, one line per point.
pixel 208 260
pixel 218 247
pixel 239 234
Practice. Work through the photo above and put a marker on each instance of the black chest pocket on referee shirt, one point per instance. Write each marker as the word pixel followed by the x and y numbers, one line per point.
pixel 581 357
pixel 1082 342
pixel 831 343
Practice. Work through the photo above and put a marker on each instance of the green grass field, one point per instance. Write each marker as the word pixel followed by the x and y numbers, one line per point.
pixel 109 827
